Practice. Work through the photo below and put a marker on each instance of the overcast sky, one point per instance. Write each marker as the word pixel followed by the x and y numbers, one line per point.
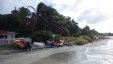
pixel 98 14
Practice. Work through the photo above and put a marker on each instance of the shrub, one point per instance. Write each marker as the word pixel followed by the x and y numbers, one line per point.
pixel 41 35
pixel 80 41
pixel 44 36
pixel 76 40
pixel 86 38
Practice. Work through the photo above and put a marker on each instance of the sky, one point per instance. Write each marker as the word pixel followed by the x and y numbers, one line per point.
pixel 97 14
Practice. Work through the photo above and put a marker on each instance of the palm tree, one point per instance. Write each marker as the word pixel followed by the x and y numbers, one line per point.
pixel 34 16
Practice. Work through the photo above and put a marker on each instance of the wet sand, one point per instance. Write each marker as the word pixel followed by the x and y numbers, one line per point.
pixel 76 55
pixel 31 57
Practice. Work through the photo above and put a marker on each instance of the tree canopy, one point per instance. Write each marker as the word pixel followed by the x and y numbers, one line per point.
pixel 22 21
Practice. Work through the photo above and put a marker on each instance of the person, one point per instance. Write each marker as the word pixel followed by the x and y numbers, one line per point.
pixel 28 46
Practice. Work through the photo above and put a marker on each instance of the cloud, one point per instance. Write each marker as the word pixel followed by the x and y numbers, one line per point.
pixel 97 14
pixel 91 16
pixel 102 27
pixel 3 6
pixel 105 26
pixel 7 5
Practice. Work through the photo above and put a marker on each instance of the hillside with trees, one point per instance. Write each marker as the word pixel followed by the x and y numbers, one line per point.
pixel 44 20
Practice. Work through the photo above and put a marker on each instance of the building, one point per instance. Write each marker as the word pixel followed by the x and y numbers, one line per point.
pixel 6 37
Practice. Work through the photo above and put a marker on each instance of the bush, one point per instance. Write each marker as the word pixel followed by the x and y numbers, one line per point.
pixel 44 36
pixel 86 38
pixel 73 40
pixel 92 37
pixel 41 35
pixel 80 41
pixel 76 40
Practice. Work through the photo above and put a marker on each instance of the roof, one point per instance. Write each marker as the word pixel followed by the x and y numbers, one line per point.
pixel 6 32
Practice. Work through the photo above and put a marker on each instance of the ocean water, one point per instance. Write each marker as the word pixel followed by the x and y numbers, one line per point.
pixel 94 55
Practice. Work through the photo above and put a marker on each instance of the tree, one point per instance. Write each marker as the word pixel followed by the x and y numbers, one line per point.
pixel 23 18
pixel 86 30
pixel 8 22
pixel 44 18
pixel 49 18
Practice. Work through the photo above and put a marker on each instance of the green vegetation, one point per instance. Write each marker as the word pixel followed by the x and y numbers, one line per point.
pixel 41 36
pixel 83 40
pixel 44 21
pixel 77 40
pixel 80 41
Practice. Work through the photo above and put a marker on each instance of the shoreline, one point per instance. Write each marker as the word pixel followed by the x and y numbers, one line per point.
pixel 17 53
pixel 38 54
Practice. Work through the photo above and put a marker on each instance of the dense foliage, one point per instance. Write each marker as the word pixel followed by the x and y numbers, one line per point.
pixel 44 17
